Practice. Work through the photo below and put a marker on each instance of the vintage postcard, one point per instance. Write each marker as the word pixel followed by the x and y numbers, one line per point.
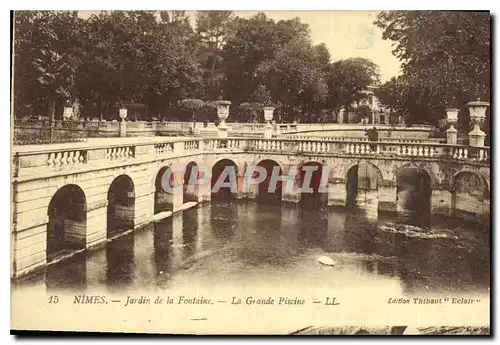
pixel 251 172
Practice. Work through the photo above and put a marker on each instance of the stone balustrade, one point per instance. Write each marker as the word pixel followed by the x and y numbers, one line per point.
pixel 66 158
pixel 120 153
pixel 32 160
pixel 27 128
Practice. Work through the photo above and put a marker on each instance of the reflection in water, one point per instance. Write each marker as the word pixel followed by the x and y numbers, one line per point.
pixel 223 220
pixel 162 238
pixel 313 228
pixel 61 276
pixel 120 260
pixel 189 231
pixel 243 243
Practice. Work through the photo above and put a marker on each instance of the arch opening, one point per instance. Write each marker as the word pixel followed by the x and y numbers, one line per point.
pixel 313 189
pixel 470 196
pixel 362 182
pixel 163 199
pixel 190 187
pixel 414 191
pixel 121 205
pixel 268 193
pixel 224 180
pixel 67 226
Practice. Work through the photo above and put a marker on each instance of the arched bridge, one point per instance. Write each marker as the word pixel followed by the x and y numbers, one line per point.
pixel 75 196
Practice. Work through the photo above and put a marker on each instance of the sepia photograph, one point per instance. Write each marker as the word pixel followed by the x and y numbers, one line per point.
pixel 251 172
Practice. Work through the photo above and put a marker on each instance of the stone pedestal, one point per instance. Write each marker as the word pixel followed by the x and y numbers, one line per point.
pixel 476 137
pixel 477 111
pixel 123 122
pixel 222 132
pixel 268 131
pixel 451 135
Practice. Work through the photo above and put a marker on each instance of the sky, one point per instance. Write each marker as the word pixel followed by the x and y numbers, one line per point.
pixel 345 33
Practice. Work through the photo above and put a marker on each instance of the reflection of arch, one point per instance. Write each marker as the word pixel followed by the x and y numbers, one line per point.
pixel 363 180
pixel 121 204
pixel 314 196
pixel 67 226
pixel 162 200
pixel 264 194
pixel 414 190
pixel 227 187
pixel 190 186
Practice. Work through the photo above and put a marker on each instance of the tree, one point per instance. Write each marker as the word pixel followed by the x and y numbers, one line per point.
pixel 192 105
pixel 46 53
pixel 348 80
pixel 445 59
pixel 213 28
pixel 251 42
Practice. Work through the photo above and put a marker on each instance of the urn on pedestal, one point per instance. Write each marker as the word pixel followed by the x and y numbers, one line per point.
pixel 268 116
pixel 452 132
pixel 477 110
pixel 123 114
pixel 123 122
pixel 222 114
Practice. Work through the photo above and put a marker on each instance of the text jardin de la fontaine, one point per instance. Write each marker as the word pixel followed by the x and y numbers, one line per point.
pixel 248 300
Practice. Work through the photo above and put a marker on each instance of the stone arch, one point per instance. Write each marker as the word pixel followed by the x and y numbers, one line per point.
pixel 317 196
pixel 264 194
pixel 190 185
pixel 478 173
pixel 349 166
pixel 121 205
pixel 433 179
pixel 224 179
pixel 67 225
pixel 469 198
pixel 362 189
pixel 414 185
pixel 162 197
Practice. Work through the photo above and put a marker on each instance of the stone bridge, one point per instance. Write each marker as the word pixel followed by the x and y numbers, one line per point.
pixel 69 197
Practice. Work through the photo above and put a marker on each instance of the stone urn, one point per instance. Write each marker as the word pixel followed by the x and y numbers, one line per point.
pixel 123 114
pixel 477 111
pixel 452 132
pixel 223 113
pixel 268 116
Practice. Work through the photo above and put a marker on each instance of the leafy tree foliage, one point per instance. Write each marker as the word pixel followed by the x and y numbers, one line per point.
pixel 164 64
pixel 445 59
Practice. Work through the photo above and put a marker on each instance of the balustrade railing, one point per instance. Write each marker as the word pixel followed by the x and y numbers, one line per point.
pixel 66 158
pixel 120 153
pixel 163 149
pixel 31 159
pixel 192 145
